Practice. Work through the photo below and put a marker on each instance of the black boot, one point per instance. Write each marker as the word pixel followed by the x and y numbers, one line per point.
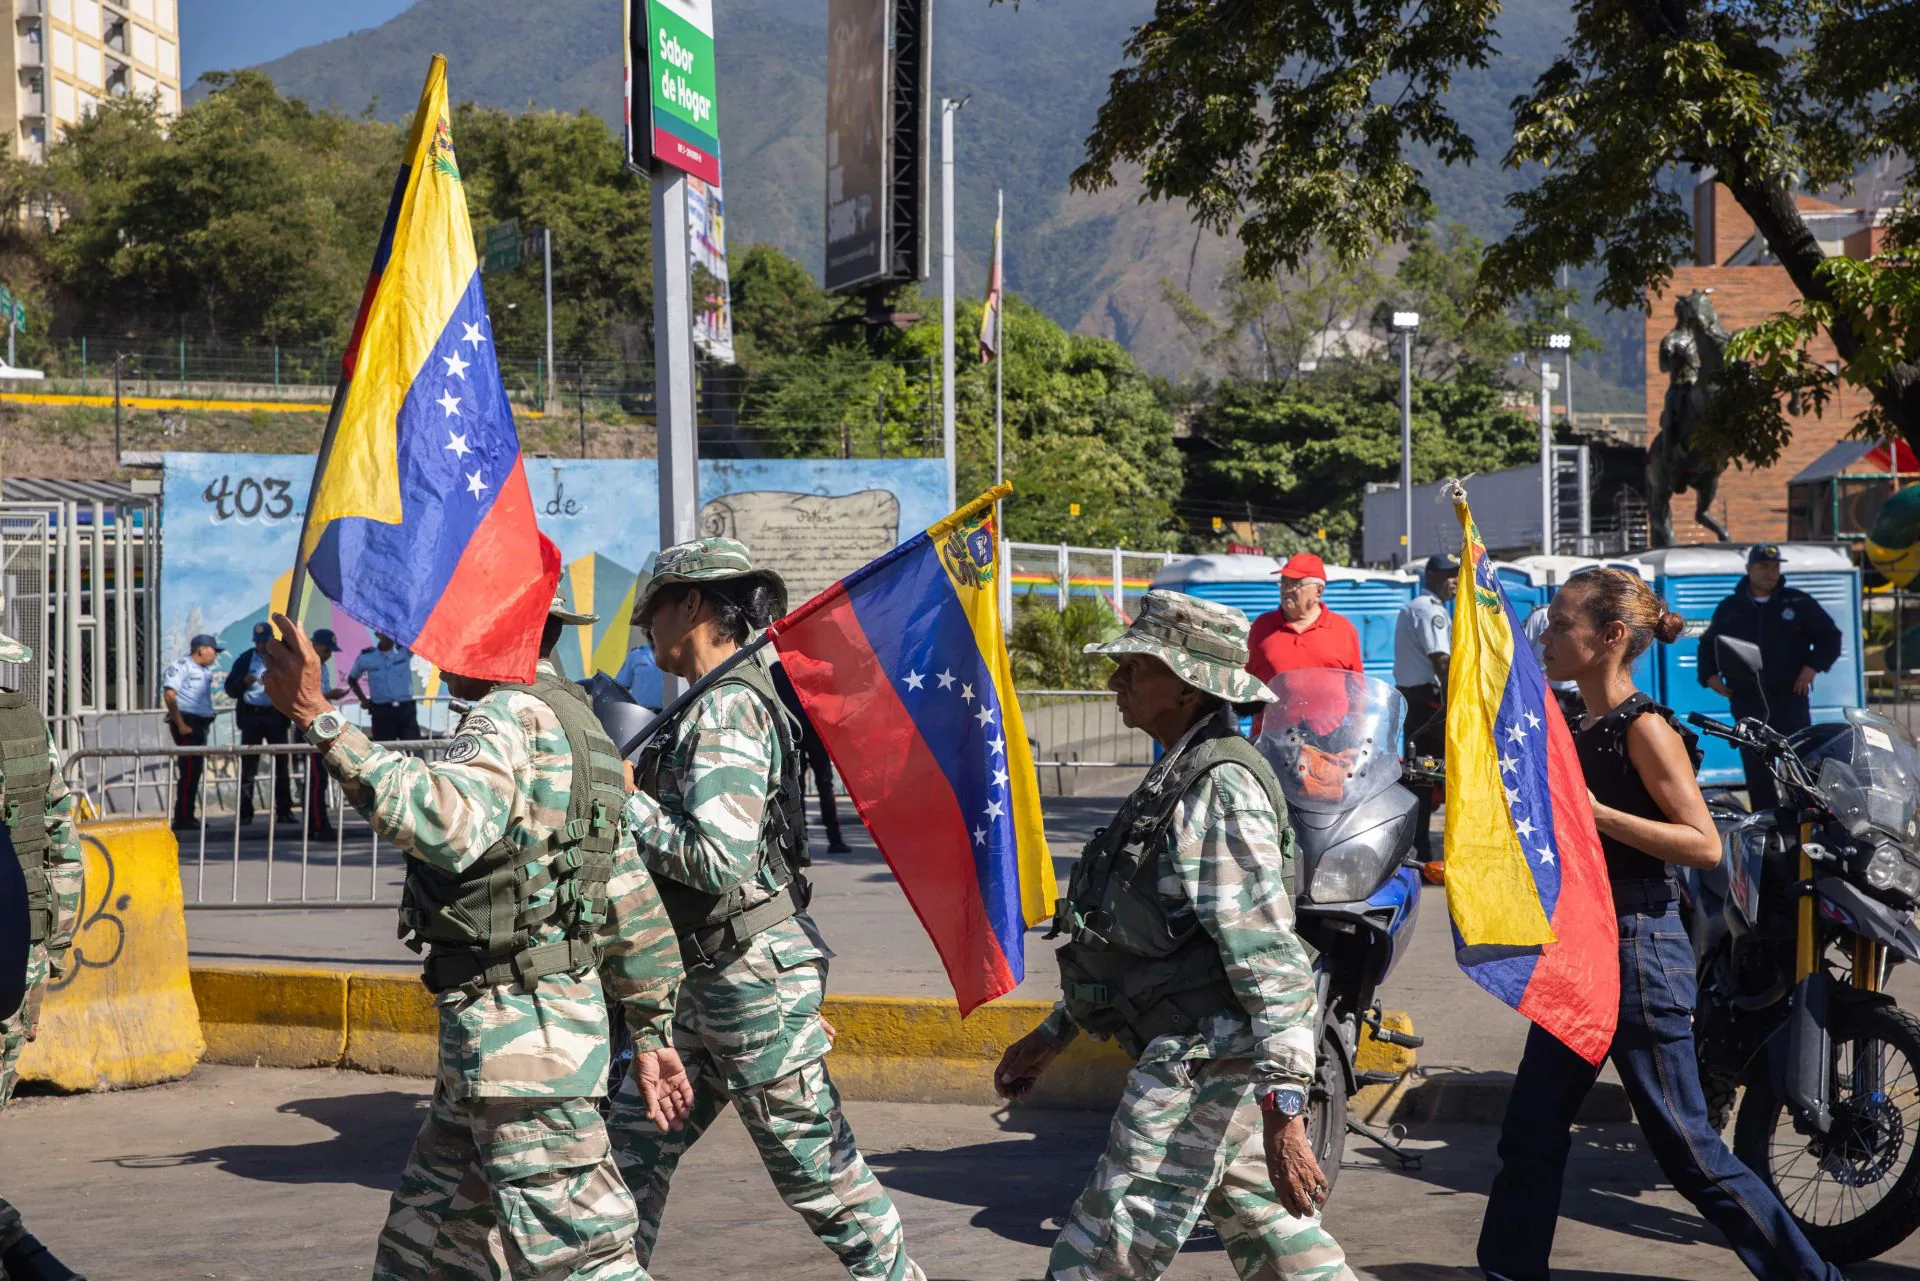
pixel 22 1257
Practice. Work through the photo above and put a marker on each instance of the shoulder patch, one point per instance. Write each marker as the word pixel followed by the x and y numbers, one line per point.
pixel 463 749
pixel 477 724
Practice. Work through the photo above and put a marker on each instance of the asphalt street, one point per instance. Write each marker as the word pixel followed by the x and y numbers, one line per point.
pixel 263 1174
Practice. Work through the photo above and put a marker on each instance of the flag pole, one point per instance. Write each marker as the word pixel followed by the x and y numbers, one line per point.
pixel 999 339
pixel 296 588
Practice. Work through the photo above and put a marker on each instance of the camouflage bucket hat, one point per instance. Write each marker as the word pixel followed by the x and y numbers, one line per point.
pixel 12 651
pixel 704 560
pixel 1204 642
pixel 571 617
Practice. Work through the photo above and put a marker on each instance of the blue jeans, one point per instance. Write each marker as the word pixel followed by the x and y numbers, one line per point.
pixel 1653 1052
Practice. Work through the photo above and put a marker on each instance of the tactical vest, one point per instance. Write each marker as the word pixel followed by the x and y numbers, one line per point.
pixel 1125 973
pixel 714 926
pixel 481 923
pixel 26 776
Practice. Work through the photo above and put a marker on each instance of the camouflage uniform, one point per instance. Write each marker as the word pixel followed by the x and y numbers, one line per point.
pixel 511 1173
pixel 1187 1137
pixel 45 961
pixel 748 1026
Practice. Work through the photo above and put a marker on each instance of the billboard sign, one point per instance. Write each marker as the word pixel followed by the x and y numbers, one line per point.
pixel 707 245
pixel 670 44
pixel 859 117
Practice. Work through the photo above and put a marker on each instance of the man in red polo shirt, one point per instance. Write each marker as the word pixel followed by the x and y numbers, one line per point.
pixel 1302 633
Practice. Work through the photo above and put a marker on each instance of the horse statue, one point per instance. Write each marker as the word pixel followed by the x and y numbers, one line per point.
pixel 1692 356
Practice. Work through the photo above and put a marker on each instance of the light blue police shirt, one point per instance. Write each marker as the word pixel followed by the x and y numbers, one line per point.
pixel 192 686
pixel 389 673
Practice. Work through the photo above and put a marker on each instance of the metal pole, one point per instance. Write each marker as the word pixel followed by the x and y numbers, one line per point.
pixel 116 409
pixel 999 343
pixel 678 444
pixel 546 254
pixel 1566 393
pixel 1546 458
pixel 947 107
pixel 1406 442
pixel 297 586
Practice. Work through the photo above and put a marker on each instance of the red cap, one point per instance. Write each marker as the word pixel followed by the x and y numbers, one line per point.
pixel 1304 565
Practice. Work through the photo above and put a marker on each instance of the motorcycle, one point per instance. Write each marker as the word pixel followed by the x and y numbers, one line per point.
pixel 1333 738
pixel 1795 933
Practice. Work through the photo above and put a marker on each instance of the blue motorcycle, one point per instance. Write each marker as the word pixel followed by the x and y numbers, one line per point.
pixel 1333 738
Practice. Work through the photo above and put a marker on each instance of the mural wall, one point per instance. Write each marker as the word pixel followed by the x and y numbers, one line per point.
pixel 231 522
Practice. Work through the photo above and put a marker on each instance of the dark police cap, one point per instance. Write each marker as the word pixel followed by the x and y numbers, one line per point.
pixel 1443 563
pixel 1764 552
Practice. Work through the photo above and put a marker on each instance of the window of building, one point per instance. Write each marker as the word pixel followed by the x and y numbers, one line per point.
pixel 63 52
pixel 166 57
pixel 88 102
pixel 163 15
pixel 89 65
pixel 143 47
pixel 143 9
pixel 143 84
pixel 64 109
pixel 86 17
pixel 62 11
pixel 169 100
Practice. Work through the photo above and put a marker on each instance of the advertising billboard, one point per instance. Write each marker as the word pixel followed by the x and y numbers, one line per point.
pixel 707 245
pixel 858 134
pixel 669 46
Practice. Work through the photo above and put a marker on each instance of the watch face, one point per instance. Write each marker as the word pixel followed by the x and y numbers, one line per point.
pixel 329 724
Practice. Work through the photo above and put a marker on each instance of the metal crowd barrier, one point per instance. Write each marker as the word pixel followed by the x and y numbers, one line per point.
pixel 1081 729
pixel 262 864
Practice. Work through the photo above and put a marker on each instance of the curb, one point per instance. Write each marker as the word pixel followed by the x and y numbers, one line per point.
pixel 896 1049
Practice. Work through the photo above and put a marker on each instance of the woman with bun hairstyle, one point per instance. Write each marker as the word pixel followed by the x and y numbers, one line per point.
pixel 1639 767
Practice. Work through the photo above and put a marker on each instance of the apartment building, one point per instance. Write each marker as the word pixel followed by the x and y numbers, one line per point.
pixel 68 55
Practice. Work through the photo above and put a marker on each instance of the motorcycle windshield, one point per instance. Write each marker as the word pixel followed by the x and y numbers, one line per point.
pixel 1333 737
pixel 1869 769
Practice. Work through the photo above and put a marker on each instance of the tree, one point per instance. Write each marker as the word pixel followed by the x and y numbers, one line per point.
pixel 1305 122
pixel 1274 328
pixel 1295 458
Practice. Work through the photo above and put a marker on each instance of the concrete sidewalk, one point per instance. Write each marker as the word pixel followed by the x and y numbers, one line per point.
pixel 258 1174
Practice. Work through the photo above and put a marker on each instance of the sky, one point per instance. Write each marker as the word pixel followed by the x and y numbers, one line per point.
pixel 216 35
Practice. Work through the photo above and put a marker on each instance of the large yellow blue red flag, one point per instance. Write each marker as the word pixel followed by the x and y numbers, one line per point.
pixel 902 667
pixel 1526 880
pixel 420 523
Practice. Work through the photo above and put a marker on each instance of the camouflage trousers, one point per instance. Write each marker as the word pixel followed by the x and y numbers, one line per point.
pixel 509 1187
pixel 14 1031
pixel 804 1140
pixel 1187 1139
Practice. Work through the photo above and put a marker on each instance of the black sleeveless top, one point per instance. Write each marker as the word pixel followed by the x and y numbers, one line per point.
pixel 1615 783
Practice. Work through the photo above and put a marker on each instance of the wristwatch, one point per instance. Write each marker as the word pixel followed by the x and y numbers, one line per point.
pixel 1288 1100
pixel 325 727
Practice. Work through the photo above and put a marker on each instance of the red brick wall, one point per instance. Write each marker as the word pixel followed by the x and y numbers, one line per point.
pixel 1752 503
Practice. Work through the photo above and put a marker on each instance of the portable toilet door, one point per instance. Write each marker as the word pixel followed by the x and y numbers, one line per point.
pixel 1694 580
pixel 1251 584
pixel 1371 600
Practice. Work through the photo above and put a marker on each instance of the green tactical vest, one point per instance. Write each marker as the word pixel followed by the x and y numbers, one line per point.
pixel 713 926
pixel 480 923
pixel 1125 973
pixel 26 777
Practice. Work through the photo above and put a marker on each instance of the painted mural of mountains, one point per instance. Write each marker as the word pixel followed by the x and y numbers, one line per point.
pixel 1036 73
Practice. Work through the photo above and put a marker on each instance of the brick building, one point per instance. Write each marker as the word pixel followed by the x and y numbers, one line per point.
pixel 1748 285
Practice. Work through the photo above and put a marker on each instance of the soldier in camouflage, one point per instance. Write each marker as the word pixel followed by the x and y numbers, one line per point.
pixel 716 816
pixel 1182 947
pixel 517 827
pixel 39 813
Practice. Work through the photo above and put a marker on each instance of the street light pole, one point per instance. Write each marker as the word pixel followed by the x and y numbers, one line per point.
pixel 948 106
pixel 546 256
pixel 1406 323
pixel 1551 343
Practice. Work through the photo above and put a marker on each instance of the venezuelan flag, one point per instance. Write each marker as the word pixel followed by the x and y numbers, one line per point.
pixel 421 524
pixel 902 668
pixel 1526 880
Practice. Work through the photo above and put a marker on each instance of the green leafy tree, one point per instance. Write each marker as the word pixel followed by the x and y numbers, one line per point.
pixel 1274 328
pixel 1295 458
pixel 1047 644
pixel 1307 122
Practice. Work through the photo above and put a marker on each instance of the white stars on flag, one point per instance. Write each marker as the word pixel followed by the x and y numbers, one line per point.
pixel 475 485
pixel 1508 763
pixel 966 695
pixel 999 778
pixel 456 367
pixel 450 403
pixel 473 334
pixel 979 836
pixel 915 680
pixel 996 810
pixel 1546 856
pixel 1533 722
pixel 1523 827
pixel 457 444
pixel 997 744
pixel 1516 734
pixel 946 679
pixel 984 716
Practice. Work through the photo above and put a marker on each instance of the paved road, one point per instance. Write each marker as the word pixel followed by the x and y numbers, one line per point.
pixel 261 1174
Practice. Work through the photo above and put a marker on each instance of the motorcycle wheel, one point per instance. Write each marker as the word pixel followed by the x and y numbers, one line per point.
pixel 1856 1191
pixel 1327 1116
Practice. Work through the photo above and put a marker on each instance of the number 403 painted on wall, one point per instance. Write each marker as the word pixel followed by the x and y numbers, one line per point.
pixel 249 498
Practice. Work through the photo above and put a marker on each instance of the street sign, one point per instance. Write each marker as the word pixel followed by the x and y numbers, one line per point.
pixel 670 42
pixel 12 310
pixel 501 248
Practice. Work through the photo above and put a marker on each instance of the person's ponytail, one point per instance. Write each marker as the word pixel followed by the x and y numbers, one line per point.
pixel 1622 596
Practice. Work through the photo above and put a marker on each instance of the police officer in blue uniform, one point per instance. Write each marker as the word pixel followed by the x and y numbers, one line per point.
pixel 260 722
pixel 388 693
pixel 1798 640
pixel 187 687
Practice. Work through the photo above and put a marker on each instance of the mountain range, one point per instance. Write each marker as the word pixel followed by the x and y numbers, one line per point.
pixel 1036 73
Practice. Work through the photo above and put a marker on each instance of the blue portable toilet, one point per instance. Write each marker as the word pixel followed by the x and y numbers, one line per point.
pixel 1370 599
pixel 1694 580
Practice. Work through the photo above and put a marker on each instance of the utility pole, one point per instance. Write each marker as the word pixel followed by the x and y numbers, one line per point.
pixel 948 106
pixel 1550 343
pixel 546 255
pixel 1406 324
pixel 999 341
pixel 1566 391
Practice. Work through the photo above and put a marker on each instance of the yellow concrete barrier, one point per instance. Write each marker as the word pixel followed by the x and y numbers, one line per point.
pixel 124 1013
pixel 273 1018
pixel 392 1025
